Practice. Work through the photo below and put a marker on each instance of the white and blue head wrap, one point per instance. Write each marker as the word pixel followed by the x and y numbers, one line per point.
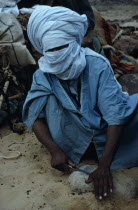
pixel 51 27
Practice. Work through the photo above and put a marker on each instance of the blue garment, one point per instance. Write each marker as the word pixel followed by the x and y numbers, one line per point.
pixel 74 121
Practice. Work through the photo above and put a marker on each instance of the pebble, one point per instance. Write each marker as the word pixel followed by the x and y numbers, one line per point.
pixel 129 83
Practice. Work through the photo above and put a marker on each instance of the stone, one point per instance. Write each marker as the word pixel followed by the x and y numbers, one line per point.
pixel 97 2
pixel 127 44
pixel 125 187
pixel 129 83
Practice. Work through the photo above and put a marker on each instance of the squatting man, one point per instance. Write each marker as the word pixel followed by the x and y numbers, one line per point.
pixel 75 98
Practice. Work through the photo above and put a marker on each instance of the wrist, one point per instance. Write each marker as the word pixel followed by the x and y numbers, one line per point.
pixel 54 150
pixel 104 163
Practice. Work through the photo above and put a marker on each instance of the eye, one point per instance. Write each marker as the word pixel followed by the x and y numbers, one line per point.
pixel 58 48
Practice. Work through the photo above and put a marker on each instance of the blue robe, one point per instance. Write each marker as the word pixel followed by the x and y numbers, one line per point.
pixel 75 117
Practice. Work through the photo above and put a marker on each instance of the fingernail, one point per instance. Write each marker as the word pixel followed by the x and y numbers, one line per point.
pixel 100 197
pixel 105 194
pixel 111 190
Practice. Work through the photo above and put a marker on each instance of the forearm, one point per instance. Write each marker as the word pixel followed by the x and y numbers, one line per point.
pixel 59 160
pixel 43 135
pixel 101 177
pixel 113 140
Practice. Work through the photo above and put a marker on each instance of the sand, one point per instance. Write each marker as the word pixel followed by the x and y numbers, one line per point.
pixel 118 12
pixel 29 182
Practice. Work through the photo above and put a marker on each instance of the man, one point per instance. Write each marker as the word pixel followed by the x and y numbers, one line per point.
pixel 75 98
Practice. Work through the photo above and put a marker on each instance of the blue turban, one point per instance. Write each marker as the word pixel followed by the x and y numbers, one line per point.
pixel 52 27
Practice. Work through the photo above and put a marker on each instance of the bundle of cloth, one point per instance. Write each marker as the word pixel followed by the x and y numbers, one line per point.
pixel 11 37
pixel 108 34
pixel 9 6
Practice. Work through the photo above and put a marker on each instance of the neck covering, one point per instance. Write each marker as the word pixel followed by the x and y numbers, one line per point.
pixel 51 27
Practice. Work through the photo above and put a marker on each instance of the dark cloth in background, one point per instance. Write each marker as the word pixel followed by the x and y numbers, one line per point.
pixel 79 6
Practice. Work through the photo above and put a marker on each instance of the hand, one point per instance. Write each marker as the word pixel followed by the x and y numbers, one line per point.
pixel 103 183
pixel 60 162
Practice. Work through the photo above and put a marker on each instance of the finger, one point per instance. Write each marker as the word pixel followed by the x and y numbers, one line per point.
pixel 71 163
pixel 100 189
pixel 111 183
pixel 96 187
pixel 59 168
pixel 89 180
pixel 62 167
pixel 105 191
pixel 66 169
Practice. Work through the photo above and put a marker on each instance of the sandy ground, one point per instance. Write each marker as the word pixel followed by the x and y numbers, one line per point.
pixel 30 183
pixel 119 12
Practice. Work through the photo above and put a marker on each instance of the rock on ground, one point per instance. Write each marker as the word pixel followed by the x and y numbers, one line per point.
pixel 113 1
pixel 125 187
pixel 128 45
pixel 129 83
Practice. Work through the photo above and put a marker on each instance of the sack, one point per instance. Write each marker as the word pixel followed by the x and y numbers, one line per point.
pixel 11 36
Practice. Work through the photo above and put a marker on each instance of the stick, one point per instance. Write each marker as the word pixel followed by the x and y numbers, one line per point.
pixel 5 88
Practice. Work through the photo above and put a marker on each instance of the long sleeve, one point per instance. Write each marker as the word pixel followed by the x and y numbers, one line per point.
pixel 36 99
pixel 116 106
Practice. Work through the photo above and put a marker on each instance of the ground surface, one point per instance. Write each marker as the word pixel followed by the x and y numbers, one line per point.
pixel 29 182
pixel 119 12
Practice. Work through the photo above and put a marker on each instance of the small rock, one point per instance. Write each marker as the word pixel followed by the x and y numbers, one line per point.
pixel 129 83
pixel 125 187
pixel 35 156
pixel 28 192
pixel 127 45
